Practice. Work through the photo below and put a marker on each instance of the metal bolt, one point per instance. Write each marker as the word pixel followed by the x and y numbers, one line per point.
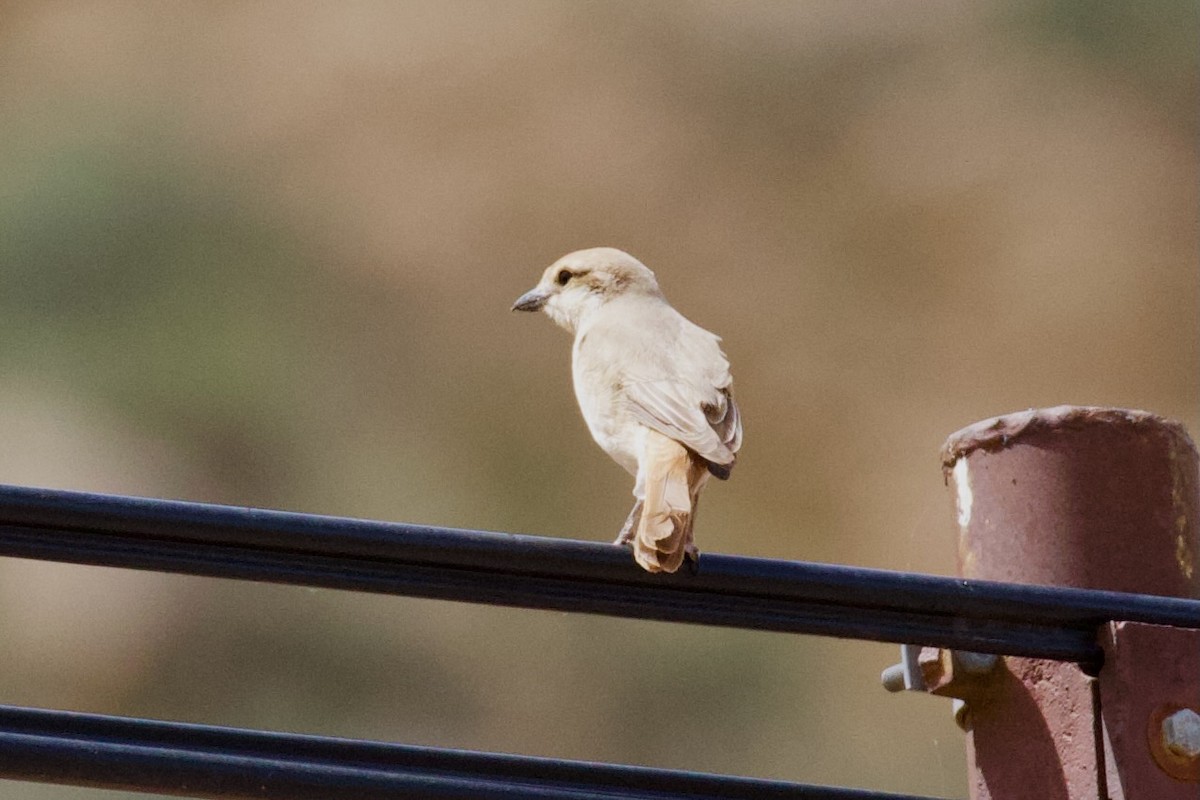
pixel 893 678
pixel 907 674
pixel 976 663
pixel 961 711
pixel 948 668
pixel 1181 733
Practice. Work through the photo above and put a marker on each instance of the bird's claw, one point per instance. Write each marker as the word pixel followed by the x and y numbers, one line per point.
pixel 629 529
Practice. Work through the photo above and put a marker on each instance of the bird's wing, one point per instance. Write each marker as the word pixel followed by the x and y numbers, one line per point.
pixel 725 419
pixel 708 426
pixel 673 377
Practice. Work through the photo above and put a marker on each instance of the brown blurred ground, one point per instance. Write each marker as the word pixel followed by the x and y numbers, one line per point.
pixel 264 255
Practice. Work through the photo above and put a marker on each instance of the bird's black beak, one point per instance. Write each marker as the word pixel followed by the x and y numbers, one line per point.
pixel 532 300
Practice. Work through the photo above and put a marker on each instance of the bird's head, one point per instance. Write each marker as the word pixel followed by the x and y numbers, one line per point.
pixel 584 280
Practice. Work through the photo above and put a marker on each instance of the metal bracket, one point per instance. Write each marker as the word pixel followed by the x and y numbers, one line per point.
pixel 956 674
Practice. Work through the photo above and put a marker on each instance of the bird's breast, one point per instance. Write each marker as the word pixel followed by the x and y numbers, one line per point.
pixel 599 388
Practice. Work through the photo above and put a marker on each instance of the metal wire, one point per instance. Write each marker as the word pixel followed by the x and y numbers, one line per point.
pixel 485 567
pixel 565 575
pixel 211 762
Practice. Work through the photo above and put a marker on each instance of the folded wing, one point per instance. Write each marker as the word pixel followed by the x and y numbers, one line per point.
pixel 707 423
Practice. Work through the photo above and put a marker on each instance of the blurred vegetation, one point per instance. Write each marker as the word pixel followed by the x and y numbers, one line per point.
pixel 267 259
pixel 134 283
pixel 1153 45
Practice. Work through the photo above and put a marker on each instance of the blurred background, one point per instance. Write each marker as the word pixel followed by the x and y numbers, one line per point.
pixel 264 255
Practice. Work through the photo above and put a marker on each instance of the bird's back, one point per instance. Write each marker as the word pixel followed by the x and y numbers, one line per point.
pixel 640 355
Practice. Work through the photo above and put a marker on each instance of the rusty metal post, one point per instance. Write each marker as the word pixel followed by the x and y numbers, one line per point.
pixel 1094 498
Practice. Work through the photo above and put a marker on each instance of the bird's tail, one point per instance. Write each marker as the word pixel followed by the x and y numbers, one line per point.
pixel 673 478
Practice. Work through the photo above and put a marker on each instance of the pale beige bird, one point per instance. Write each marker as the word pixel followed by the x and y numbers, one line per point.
pixel 654 389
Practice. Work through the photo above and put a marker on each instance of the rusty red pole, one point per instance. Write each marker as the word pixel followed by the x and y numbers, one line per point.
pixel 1094 498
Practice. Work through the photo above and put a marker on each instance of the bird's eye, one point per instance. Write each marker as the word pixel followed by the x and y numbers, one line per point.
pixel 563 277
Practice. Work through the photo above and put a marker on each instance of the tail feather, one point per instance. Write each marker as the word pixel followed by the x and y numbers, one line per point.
pixel 673 477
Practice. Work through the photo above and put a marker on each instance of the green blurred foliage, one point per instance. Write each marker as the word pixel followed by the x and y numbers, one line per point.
pixel 150 289
pixel 1154 44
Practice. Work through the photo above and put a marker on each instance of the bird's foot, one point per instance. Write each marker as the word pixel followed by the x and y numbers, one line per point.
pixel 691 557
pixel 629 529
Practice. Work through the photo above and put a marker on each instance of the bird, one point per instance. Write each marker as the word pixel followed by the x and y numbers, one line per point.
pixel 655 391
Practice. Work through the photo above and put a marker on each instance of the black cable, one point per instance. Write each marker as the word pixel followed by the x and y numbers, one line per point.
pixel 211 762
pixel 538 572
